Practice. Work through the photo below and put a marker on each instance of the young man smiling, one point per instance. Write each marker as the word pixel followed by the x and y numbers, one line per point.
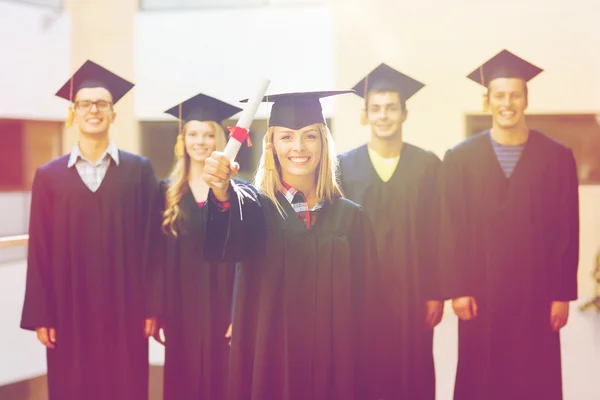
pixel 84 292
pixel 397 184
pixel 511 242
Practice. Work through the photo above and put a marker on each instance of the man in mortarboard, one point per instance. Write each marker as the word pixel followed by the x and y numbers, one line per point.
pixel 510 245
pixel 397 183
pixel 85 267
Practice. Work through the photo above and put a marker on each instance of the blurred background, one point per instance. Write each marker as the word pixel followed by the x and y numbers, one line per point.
pixel 173 49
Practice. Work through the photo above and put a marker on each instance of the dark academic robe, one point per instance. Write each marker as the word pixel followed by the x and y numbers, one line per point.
pixel 511 243
pixel 303 302
pixel 404 213
pixel 194 301
pixel 85 274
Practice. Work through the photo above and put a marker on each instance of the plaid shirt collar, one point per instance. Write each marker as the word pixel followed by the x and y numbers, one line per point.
pixel 111 151
pixel 297 199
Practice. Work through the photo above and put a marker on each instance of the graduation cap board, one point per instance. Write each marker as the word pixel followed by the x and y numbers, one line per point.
pixel 92 75
pixel 199 108
pixel 386 79
pixel 299 109
pixel 504 65
pixel 203 108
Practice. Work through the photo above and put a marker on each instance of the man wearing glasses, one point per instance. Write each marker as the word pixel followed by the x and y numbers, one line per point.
pixel 85 268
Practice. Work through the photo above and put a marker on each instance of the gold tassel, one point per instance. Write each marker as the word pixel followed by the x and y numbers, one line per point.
pixel 70 116
pixel 363 118
pixel 269 157
pixel 180 144
pixel 179 147
pixel 485 105
pixel 71 113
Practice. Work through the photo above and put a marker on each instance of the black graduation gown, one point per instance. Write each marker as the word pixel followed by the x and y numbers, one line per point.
pixel 303 301
pixel 512 243
pixel 194 300
pixel 404 213
pixel 85 274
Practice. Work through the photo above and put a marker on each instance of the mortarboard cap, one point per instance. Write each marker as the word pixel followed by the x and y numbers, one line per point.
pixel 504 65
pixel 386 78
pixel 297 110
pixel 203 108
pixel 92 75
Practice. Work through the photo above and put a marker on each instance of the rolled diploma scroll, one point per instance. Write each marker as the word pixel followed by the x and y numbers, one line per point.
pixel 243 125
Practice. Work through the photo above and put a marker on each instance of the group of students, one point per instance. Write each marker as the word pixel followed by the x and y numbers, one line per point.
pixel 323 279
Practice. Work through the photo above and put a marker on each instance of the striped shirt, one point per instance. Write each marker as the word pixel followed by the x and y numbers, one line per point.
pixel 91 173
pixel 507 155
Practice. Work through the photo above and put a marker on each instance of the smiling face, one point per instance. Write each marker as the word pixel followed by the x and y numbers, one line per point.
pixel 298 151
pixel 94 111
pixel 385 114
pixel 199 139
pixel 507 100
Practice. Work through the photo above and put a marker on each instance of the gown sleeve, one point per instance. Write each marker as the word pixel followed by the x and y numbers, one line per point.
pixel 156 244
pixel 454 244
pixel 564 279
pixel 236 285
pixel 365 260
pixel 38 309
pixel 428 240
pixel 235 233
pixel 372 308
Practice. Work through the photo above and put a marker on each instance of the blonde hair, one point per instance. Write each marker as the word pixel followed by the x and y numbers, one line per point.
pixel 178 179
pixel 269 180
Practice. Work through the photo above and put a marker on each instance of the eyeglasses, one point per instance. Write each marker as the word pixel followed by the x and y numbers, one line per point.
pixel 86 105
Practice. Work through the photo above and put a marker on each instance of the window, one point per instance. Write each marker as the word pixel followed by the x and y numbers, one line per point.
pixel 148 5
pixel 25 146
pixel 11 155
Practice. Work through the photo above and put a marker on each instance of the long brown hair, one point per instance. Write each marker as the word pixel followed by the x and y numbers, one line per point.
pixel 178 179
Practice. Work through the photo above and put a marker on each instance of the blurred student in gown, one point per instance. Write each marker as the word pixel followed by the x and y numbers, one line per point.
pixel 397 183
pixel 192 298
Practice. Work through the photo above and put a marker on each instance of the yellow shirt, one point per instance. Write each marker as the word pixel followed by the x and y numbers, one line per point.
pixel 384 167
